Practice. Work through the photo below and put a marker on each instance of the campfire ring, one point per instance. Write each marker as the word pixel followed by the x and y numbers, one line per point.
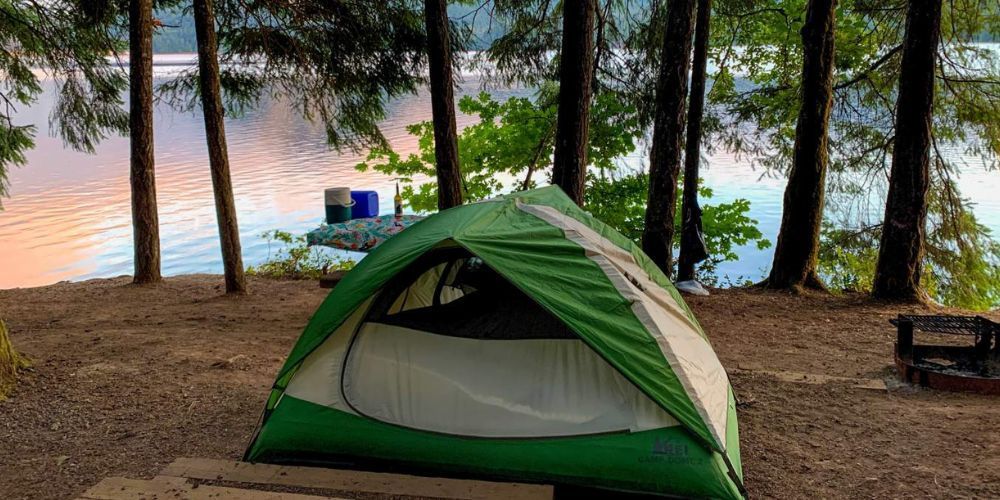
pixel 959 368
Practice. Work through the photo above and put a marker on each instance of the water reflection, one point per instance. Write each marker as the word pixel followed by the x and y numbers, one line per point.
pixel 69 217
pixel 69 213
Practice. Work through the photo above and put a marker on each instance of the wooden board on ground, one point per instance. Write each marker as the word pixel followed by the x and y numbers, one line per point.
pixel 349 480
pixel 174 488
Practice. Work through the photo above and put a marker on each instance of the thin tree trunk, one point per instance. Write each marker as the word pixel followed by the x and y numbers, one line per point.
pixel 797 250
pixel 692 245
pixel 900 256
pixel 668 134
pixel 443 104
pixel 145 221
pixel 218 156
pixel 569 164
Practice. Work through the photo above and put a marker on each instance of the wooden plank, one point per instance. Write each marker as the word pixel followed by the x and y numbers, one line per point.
pixel 356 481
pixel 174 488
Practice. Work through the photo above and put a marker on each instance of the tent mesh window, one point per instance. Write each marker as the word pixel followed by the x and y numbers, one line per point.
pixel 450 346
pixel 487 306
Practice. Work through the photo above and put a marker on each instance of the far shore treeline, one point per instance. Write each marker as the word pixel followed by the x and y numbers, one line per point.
pixel 181 37
pixel 853 101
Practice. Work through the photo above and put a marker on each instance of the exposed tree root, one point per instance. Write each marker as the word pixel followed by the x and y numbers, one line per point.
pixel 812 281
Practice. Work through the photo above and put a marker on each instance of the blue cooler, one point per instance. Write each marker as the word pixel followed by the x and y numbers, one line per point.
pixel 365 204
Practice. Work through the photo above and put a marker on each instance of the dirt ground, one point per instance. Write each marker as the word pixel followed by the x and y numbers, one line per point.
pixel 126 379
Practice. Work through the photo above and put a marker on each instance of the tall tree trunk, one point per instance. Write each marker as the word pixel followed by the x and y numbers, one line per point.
pixel 668 134
pixel 218 156
pixel 692 243
pixel 576 63
pixel 900 256
pixel 443 104
pixel 797 250
pixel 145 221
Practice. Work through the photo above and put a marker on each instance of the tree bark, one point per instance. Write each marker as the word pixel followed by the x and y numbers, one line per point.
pixel 218 156
pixel 668 134
pixel 443 104
pixel 797 251
pixel 692 243
pixel 145 221
pixel 900 256
pixel 569 164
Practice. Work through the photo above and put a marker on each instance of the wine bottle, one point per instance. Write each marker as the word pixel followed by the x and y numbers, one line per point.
pixel 397 202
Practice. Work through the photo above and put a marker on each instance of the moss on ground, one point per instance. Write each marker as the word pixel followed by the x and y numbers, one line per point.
pixel 11 363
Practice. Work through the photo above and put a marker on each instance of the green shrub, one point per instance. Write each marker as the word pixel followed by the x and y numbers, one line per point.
pixel 510 149
pixel 621 203
pixel 294 259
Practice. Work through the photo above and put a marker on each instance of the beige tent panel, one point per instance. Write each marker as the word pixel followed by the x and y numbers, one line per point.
pixel 491 388
pixel 474 387
pixel 689 355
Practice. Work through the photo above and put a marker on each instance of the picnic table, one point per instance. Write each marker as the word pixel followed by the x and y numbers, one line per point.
pixel 360 235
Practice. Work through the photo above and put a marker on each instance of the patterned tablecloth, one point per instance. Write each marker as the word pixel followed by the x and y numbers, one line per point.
pixel 360 235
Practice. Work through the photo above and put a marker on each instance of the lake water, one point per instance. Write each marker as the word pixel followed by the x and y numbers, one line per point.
pixel 68 217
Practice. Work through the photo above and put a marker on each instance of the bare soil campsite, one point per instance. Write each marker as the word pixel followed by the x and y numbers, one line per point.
pixel 126 379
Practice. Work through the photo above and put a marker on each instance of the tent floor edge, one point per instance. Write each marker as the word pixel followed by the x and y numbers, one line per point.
pixel 662 461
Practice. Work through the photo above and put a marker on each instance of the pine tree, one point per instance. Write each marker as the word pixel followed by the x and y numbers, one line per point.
pixel 692 243
pixel 901 250
pixel 796 254
pixel 145 219
pixel 337 64
pixel 668 134
pixel 218 156
pixel 576 69
pixel 443 104
pixel 71 47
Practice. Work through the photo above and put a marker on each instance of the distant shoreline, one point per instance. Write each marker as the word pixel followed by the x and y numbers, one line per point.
pixel 166 59
pixel 190 59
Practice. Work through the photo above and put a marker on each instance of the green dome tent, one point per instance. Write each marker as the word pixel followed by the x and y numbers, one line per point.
pixel 514 338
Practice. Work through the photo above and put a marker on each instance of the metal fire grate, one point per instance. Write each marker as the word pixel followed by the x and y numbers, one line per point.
pixel 955 325
pixel 950 366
